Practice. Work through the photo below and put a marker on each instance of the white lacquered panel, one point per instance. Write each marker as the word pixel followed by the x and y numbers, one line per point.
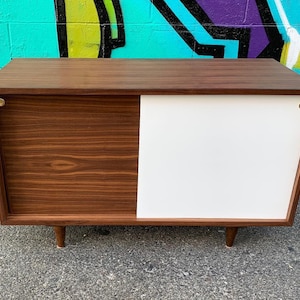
pixel 217 156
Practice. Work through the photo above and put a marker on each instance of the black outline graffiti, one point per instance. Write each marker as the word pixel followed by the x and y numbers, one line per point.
pixel 274 48
pixel 216 51
pixel 61 27
pixel 120 41
pixel 107 43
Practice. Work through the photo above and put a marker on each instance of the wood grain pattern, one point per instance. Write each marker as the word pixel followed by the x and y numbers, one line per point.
pixel 144 77
pixel 70 155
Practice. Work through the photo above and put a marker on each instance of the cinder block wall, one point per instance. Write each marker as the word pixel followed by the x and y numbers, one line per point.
pixel 151 29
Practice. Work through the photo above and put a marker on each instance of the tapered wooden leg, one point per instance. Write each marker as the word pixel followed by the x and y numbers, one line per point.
pixel 60 233
pixel 230 235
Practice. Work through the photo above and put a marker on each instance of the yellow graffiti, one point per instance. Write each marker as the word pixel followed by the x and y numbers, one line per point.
pixel 284 56
pixel 83 28
pixel 112 17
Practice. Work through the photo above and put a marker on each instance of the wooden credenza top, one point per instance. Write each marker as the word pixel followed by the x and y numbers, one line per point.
pixel 66 76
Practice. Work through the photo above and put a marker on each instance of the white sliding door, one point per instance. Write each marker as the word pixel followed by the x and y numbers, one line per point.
pixel 217 156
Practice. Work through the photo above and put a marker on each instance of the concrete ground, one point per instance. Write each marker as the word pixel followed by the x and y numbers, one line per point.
pixel 150 263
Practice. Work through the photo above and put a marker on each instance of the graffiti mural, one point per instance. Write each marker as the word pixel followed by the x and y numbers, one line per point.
pixel 254 41
pixel 89 28
pixel 292 48
pixel 151 29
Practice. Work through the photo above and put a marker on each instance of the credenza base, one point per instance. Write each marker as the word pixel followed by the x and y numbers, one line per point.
pixel 60 233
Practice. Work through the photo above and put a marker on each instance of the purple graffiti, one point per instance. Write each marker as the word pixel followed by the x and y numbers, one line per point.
pixel 239 14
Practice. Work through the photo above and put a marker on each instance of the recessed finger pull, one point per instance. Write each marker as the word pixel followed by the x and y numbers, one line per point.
pixel 2 102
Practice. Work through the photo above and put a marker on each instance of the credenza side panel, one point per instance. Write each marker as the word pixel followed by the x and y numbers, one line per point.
pixel 3 199
pixel 70 155
pixel 218 156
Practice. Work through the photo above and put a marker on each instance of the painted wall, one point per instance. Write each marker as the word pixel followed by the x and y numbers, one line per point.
pixel 151 29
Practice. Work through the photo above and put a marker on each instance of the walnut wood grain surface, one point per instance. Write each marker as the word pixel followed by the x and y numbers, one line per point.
pixel 66 155
pixel 138 77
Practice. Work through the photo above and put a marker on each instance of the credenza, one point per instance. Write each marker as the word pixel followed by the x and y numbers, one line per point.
pixel 184 142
